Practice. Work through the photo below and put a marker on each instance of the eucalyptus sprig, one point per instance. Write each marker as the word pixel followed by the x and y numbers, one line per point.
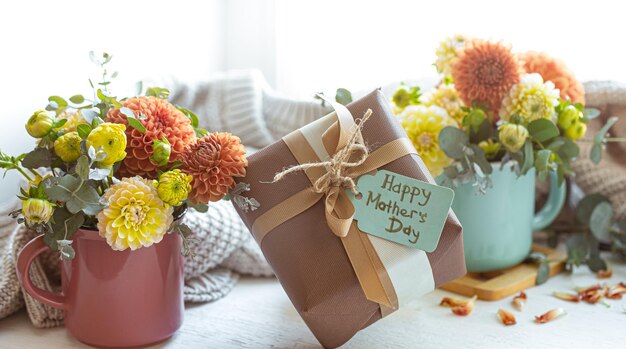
pixel 596 226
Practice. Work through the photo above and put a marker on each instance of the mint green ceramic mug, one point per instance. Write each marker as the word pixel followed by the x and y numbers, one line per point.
pixel 498 226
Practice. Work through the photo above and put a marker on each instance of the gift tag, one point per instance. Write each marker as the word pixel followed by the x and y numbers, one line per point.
pixel 401 209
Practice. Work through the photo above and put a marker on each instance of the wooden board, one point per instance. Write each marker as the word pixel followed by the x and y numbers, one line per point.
pixel 499 284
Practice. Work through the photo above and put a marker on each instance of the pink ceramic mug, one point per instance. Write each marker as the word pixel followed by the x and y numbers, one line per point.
pixel 114 298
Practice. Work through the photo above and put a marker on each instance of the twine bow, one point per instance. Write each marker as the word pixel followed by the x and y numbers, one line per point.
pixel 337 168
pixel 337 177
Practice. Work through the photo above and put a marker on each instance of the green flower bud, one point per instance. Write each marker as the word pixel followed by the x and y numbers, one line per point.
pixel 569 116
pixel 37 211
pixel 576 130
pixel 490 148
pixel 161 151
pixel 512 136
pixel 402 98
pixel 39 124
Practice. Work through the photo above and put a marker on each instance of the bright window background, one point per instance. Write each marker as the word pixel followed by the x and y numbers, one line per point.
pixel 301 46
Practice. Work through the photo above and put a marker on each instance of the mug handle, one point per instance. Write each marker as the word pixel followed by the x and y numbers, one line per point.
pixel 554 204
pixel 25 258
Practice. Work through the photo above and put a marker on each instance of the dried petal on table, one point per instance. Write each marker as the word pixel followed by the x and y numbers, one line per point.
pixel 593 293
pixel 459 306
pixel 605 274
pixel 550 315
pixel 519 301
pixel 616 291
pixel 506 317
pixel 566 296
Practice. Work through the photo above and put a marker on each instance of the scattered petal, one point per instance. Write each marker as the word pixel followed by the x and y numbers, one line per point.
pixel 506 317
pixel 519 301
pixel 593 293
pixel 566 296
pixel 459 306
pixel 605 274
pixel 616 291
pixel 453 302
pixel 550 315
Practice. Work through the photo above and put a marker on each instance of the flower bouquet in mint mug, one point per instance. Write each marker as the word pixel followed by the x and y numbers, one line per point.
pixel 107 185
pixel 494 123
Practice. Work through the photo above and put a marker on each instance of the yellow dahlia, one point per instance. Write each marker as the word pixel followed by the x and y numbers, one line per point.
pixel 447 97
pixel 447 52
pixel 67 147
pixel 423 124
pixel 213 161
pixel 134 216
pixel 37 211
pixel 484 73
pixel 161 120
pixel 111 139
pixel 174 187
pixel 531 99
pixel 552 69
pixel 73 117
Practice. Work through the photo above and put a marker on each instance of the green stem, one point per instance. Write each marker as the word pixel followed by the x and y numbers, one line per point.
pixel 615 139
pixel 24 173
pixel 35 173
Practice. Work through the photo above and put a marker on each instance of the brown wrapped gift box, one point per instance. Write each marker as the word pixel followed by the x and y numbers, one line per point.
pixel 309 260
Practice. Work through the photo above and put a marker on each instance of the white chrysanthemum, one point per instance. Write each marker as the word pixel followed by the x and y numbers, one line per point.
pixel 446 97
pixel 531 99
pixel 447 52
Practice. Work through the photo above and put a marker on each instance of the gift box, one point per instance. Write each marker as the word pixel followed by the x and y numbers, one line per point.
pixel 339 279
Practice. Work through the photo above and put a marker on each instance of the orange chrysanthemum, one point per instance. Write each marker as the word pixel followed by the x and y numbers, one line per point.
pixel 161 119
pixel 213 161
pixel 552 69
pixel 484 72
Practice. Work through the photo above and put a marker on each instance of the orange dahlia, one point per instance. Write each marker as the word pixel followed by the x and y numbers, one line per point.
pixel 213 161
pixel 484 72
pixel 161 119
pixel 552 69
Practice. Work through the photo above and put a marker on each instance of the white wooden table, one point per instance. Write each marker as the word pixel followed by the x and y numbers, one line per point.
pixel 257 314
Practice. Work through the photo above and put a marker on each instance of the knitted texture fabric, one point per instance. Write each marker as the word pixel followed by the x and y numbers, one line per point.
pixel 608 177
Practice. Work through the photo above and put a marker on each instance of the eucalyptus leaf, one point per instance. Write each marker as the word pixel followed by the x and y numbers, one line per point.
pixel 569 149
pixel 577 248
pixel 599 137
pixel 77 99
pixel 343 96
pixel 587 205
pixel 453 142
pixel 61 189
pixel 91 152
pixel 542 160
pixel 88 115
pixel 85 199
pixel 479 158
pixel 542 130
pixel 98 174
pixel 40 157
pixel 529 157
pixel 64 224
pixel 596 153
pixel 82 167
pixel 58 100
pixel 67 252
pixel 600 221
pixel 591 113
pixel 543 273
pixel 596 264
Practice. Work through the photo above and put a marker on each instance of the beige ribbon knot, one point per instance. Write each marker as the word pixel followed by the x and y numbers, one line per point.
pixel 337 169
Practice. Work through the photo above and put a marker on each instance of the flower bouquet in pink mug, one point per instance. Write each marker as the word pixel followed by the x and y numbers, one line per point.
pixel 108 181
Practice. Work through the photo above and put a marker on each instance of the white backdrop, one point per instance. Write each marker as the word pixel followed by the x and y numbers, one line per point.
pixel 301 46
